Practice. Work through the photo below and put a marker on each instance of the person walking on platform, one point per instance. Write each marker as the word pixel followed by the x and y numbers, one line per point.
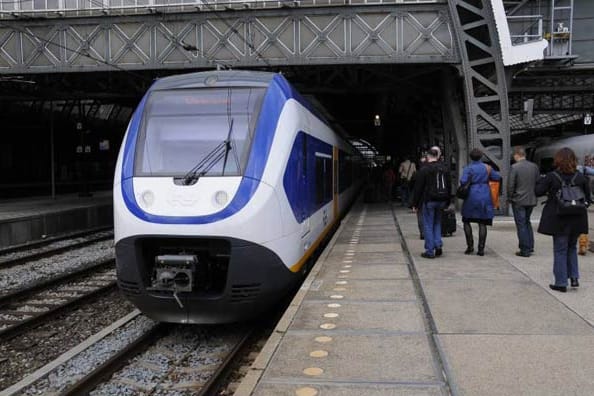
pixel 406 171
pixel 419 211
pixel 564 216
pixel 432 193
pixel 478 205
pixel 587 170
pixel 521 185
pixel 389 180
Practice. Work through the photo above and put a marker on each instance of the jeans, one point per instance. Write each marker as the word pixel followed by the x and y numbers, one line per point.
pixel 432 225
pixel 565 263
pixel 524 228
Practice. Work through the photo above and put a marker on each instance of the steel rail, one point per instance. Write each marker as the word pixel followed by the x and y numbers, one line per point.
pixel 11 297
pixel 47 241
pixel 114 363
pixel 19 328
pixel 48 253
pixel 215 381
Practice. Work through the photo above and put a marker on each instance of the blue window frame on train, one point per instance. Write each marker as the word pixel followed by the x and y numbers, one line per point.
pixel 181 127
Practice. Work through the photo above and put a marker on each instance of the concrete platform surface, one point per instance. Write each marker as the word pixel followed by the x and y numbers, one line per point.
pixel 30 219
pixel 373 320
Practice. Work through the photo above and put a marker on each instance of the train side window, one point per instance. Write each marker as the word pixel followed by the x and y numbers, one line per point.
pixel 320 180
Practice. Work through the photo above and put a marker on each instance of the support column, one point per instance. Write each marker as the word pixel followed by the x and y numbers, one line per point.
pixel 487 109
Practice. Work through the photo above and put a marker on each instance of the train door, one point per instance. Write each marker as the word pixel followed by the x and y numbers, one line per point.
pixel 335 182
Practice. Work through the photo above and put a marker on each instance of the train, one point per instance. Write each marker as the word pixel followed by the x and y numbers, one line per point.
pixel 543 155
pixel 226 185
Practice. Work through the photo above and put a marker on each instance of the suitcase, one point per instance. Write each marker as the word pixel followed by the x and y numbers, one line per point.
pixel 448 222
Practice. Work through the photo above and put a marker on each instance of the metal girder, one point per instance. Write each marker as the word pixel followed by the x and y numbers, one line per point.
pixel 484 81
pixel 554 102
pixel 399 33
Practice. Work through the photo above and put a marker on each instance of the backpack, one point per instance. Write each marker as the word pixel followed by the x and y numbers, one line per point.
pixel 570 198
pixel 437 184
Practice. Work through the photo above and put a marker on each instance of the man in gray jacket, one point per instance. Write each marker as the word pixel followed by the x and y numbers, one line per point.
pixel 522 181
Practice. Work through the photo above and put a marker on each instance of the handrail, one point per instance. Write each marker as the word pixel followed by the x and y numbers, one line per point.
pixel 532 32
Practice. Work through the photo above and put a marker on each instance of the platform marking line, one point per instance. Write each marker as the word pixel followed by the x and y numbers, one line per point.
pixel 327 326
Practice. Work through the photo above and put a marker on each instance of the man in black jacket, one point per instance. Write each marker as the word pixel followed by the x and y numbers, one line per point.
pixel 432 194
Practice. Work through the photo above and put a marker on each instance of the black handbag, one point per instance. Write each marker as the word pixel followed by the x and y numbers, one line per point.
pixel 464 189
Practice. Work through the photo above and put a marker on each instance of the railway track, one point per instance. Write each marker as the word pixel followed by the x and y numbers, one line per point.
pixel 24 308
pixel 21 254
pixel 136 355
pixel 193 368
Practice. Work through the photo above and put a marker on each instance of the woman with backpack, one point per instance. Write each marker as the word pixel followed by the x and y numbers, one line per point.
pixel 564 216
pixel 478 205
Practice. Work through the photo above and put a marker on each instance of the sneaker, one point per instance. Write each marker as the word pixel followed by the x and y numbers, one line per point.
pixel 438 252
pixel 427 255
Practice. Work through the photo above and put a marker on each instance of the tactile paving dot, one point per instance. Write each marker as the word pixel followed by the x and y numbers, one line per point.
pixel 331 315
pixel 318 354
pixel 341 282
pixel 347 266
pixel 344 271
pixel 306 391
pixel 339 289
pixel 334 305
pixel 347 261
pixel 343 276
pixel 323 339
pixel 336 296
pixel 313 371
pixel 327 326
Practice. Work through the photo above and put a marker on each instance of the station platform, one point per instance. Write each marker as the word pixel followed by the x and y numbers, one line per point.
pixel 372 319
pixel 29 219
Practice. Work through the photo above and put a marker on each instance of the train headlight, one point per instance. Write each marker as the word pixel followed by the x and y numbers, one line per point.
pixel 148 198
pixel 221 198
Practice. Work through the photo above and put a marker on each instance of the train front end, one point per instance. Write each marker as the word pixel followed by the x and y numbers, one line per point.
pixel 192 216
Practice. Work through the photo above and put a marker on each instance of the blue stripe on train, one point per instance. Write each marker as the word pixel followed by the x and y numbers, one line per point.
pixel 279 91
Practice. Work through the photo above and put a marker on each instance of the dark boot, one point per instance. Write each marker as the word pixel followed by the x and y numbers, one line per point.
pixel 469 239
pixel 482 240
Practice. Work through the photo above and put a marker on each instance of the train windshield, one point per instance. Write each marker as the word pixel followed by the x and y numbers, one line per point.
pixel 181 127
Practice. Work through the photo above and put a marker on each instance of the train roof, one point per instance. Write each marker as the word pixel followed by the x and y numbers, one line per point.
pixel 214 78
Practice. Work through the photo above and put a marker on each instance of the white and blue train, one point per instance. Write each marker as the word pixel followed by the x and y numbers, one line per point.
pixel 225 186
